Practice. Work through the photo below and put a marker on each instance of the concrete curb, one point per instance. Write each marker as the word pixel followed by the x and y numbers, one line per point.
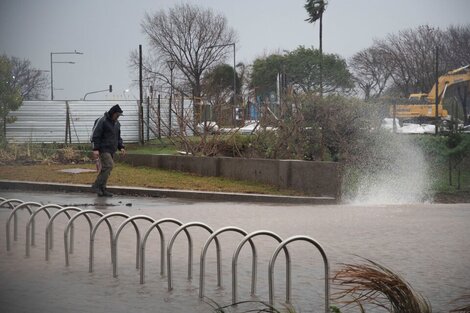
pixel 154 192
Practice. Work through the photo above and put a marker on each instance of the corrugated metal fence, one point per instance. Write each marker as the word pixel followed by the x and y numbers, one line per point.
pixel 72 121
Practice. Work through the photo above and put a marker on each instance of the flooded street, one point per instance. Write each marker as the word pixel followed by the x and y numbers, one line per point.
pixel 427 244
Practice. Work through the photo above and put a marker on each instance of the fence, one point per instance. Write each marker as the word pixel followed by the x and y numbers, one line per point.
pixel 72 121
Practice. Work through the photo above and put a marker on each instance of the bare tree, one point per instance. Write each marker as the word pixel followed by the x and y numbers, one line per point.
pixel 10 96
pixel 409 56
pixel 30 81
pixel 370 72
pixel 457 47
pixel 407 59
pixel 193 37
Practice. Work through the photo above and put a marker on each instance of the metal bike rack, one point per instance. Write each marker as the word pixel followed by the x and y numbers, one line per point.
pixel 141 244
pixel 162 245
pixel 116 236
pixel 12 215
pixel 49 226
pixel 254 265
pixel 111 235
pixel 9 202
pixel 325 262
pixel 15 222
pixel 70 224
pixel 30 224
pixel 190 257
pixel 219 265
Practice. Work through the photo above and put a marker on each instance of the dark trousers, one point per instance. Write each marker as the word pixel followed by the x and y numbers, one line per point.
pixel 107 165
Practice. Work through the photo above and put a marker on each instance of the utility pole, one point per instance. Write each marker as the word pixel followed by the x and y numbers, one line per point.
pixel 321 53
pixel 437 90
pixel 141 101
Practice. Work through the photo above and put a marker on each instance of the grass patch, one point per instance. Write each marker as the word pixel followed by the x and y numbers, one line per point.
pixel 155 146
pixel 442 179
pixel 126 175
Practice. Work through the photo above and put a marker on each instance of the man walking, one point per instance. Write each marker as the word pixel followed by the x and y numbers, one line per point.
pixel 106 140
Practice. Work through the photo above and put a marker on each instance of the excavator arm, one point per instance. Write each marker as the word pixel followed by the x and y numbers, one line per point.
pixel 457 76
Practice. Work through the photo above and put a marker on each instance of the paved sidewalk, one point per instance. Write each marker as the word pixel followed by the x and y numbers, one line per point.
pixel 154 192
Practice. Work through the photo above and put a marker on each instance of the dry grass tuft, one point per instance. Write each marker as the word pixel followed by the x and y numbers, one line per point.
pixel 367 284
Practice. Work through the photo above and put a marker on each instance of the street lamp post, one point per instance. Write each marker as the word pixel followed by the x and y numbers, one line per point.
pixel 110 89
pixel 52 70
pixel 171 64
pixel 234 71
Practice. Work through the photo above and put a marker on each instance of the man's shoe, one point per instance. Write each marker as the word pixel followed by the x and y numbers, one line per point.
pixel 106 193
pixel 97 190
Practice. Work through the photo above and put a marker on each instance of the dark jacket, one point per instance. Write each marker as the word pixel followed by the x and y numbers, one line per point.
pixel 106 135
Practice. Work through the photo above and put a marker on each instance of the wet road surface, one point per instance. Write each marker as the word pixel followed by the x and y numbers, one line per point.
pixel 427 244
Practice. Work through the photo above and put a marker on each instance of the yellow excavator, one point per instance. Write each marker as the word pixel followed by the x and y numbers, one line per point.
pixel 421 107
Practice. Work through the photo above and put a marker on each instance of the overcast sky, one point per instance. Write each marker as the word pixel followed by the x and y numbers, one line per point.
pixel 107 30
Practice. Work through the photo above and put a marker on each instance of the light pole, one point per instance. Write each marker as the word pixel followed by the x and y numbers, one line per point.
pixel 110 89
pixel 234 71
pixel 171 64
pixel 52 70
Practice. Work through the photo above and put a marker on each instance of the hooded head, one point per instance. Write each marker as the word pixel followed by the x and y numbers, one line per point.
pixel 115 109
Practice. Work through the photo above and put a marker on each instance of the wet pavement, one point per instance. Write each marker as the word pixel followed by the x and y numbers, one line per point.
pixel 427 244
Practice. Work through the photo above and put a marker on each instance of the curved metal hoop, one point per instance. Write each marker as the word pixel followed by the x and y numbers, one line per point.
pixel 13 215
pixel 70 224
pixel 162 245
pixel 213 236
pixel 49 228
pixel 116 237
pixel 111 235
pixel 325 263
pixel 254 271
pixel 30 224
pixel 12 207
pixel 190 256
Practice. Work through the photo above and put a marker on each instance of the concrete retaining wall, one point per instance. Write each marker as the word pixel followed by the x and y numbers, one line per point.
pixel 318 179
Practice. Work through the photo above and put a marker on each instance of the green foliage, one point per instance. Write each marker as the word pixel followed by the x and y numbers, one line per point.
pixel 342 127
pixel 302 71
pixel 265 70
pixel 447 155
pixel 434 147
pixel 220 79
pixel 441 148
pixel 10 96
pixel 334 309
pixel 315 9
